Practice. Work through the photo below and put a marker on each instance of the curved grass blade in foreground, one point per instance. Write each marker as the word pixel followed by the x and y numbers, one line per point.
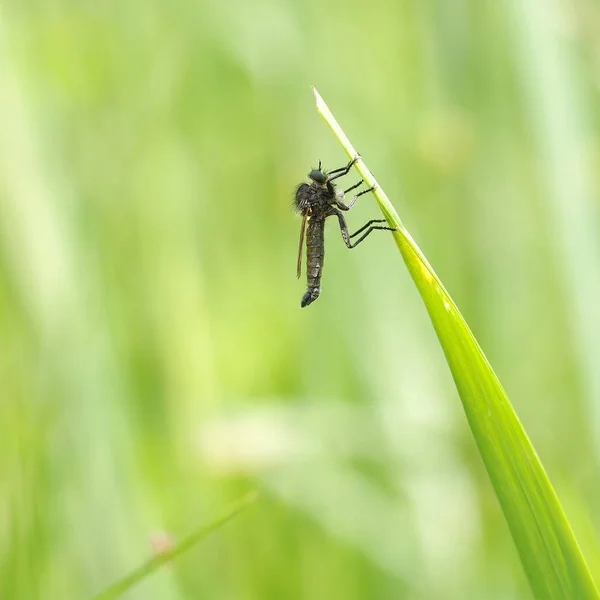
pixel 120 587
pixel 549 552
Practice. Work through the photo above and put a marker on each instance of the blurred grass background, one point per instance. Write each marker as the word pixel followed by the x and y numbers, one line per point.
pixel 154 360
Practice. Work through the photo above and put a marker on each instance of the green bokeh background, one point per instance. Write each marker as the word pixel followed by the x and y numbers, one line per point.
pixel 154 361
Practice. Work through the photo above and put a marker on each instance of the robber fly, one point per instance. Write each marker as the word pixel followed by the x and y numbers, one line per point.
pixel 316 201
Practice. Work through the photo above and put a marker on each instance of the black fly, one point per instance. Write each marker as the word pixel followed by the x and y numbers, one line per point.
pixel 316 201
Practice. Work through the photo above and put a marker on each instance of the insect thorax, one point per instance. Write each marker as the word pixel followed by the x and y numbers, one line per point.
pixel 315 197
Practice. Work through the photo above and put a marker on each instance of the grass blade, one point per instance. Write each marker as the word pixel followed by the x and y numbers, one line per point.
pixel 120 587
pixel 549 552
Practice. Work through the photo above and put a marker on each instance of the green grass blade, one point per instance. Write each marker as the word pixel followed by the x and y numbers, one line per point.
pixel 120 587
pixel 549 552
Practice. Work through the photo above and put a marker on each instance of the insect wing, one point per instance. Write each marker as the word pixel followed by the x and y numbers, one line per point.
pixel 302 230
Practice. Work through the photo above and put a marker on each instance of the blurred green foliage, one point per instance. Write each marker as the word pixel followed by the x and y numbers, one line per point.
pixel 154 360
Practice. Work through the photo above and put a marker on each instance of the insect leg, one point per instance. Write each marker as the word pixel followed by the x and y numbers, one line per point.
pixel 346 168
pixel 351 203
pixel 367 225
pixel 373 228
pixel 344 229
pixel 354 186
pixel 342 170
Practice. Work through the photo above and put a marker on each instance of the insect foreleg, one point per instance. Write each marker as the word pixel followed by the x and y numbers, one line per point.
pixel 342 170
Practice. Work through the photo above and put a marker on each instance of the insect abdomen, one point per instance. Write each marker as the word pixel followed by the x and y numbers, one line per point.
pixel 315 251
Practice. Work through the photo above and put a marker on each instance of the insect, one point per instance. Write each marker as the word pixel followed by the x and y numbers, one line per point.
pixel 316 201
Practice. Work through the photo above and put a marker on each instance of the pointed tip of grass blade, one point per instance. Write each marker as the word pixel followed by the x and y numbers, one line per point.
pixel 318 99
pixel 384 203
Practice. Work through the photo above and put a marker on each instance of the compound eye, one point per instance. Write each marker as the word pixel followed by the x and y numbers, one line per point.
pixel 317 176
